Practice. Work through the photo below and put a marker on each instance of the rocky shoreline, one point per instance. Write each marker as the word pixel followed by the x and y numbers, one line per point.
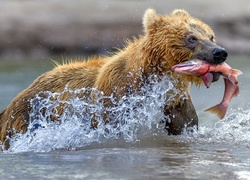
pixel 42 28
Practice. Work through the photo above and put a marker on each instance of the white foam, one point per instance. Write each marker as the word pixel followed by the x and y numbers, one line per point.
pixel 135 118
pixel 131 116
pixel 233 130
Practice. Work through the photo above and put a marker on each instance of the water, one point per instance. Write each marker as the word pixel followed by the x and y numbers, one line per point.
pixel 135 146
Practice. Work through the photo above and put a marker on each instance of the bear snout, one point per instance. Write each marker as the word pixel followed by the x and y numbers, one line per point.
pixel 219 55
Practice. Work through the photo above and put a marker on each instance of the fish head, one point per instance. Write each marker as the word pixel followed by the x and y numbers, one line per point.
pixel 198 68
pixel 191 67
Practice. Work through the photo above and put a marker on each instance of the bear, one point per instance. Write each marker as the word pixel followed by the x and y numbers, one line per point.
pixel 167 40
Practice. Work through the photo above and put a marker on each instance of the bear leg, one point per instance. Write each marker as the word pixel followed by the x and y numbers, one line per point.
pixel 181 116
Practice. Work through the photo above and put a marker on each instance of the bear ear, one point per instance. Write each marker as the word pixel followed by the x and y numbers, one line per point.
pixel 180 12
pixel 150 17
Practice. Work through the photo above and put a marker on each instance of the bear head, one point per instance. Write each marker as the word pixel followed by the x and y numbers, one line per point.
pixel 179 37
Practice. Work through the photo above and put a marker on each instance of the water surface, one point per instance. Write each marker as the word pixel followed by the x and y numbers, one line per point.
pixel 136 149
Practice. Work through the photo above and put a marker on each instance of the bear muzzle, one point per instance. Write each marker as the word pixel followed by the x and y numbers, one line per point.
pixel 210 52
pixel 219 55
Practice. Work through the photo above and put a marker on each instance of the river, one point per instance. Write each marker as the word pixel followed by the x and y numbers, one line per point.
pixel 140 149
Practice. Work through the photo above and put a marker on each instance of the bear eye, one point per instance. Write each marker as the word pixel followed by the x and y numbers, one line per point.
pixel 192 39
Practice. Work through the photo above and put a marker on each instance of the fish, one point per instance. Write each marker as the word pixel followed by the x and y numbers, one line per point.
pixel 205 70
pixel 201 68
pixel 231 91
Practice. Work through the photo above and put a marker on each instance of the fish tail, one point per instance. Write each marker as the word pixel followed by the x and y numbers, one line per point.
pixel 219 110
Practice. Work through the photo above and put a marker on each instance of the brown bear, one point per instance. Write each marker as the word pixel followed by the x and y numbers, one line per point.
pixel 168 40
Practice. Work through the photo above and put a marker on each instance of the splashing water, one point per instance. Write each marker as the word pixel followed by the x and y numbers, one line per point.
pixel 134 118
pixel 131 115
pixel 234 130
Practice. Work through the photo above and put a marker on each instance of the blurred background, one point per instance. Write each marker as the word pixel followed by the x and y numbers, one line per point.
pixel 41 28
pixel 33 32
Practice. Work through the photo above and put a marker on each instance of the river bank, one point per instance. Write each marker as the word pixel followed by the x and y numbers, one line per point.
pixel 42 28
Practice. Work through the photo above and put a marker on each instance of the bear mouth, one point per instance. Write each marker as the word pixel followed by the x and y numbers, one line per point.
pixel 188 67
pixel 195 67
pixel 204 59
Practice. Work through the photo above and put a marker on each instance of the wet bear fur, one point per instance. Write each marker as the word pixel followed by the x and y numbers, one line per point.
pixel 167 40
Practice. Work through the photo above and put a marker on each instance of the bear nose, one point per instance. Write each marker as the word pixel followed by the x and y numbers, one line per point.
pixel 219 55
